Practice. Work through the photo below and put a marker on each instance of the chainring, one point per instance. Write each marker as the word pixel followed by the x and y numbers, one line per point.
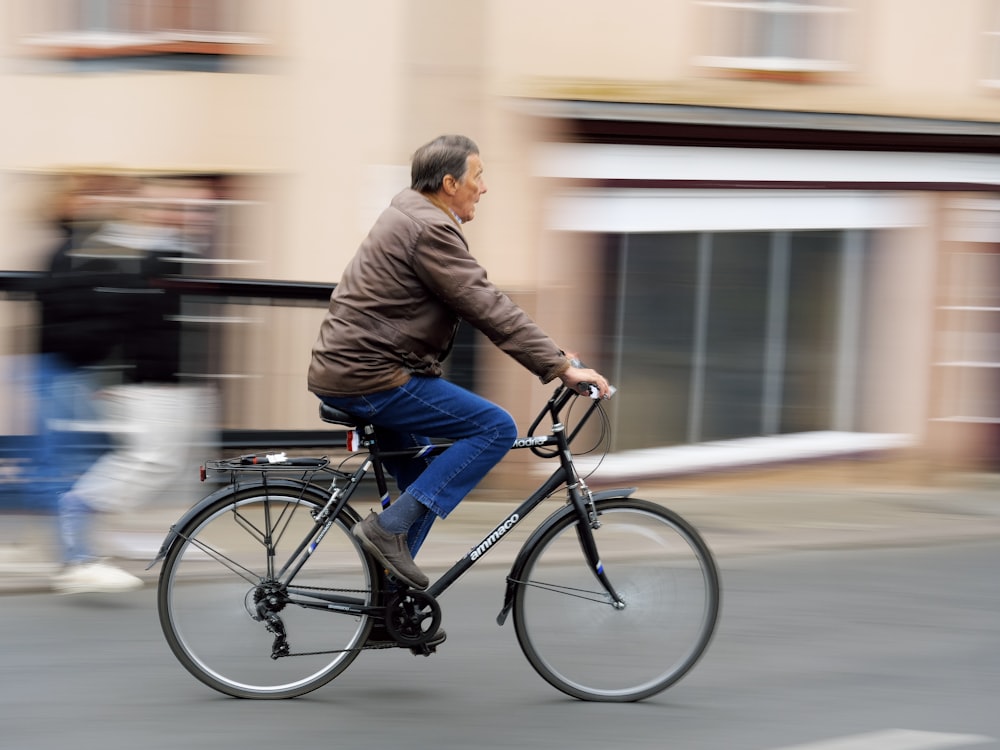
pixel 412 617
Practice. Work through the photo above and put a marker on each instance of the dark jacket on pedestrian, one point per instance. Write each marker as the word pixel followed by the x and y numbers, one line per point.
pixel 103 304
pixel 397 307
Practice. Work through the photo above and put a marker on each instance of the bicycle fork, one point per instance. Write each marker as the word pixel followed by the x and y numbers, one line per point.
pixel 582 500
pixel 585 511
pixel 580 504
pixel 589 522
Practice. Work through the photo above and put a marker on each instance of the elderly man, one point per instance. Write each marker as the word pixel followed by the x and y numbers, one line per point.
pixel 391 322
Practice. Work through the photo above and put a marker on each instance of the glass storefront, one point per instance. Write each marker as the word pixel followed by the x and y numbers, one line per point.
pixel 723 335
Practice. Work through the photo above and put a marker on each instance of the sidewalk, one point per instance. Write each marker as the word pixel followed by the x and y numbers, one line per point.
pixel 737 517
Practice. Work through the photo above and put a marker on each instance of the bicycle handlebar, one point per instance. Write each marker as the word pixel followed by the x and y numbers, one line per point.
pixel 590 390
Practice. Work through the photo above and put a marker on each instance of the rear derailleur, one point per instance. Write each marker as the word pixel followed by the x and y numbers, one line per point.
pixel 268 600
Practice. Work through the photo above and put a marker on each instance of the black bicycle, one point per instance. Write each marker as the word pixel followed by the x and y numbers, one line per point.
pixel 265 593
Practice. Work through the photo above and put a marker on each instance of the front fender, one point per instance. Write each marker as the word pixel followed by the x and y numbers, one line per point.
pixel 191 513
pixel 515 570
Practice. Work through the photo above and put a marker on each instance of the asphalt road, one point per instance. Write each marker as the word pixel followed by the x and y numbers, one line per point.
pixel 862 649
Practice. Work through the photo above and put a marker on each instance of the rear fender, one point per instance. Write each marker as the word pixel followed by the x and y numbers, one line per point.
pixel 306 490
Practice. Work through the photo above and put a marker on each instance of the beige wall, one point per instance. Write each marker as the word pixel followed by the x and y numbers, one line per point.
pixel 925 49
pixel 899 329
pixel 365 83
pixel 331 121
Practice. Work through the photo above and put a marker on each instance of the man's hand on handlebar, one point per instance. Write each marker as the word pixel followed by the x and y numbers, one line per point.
pixel 580 378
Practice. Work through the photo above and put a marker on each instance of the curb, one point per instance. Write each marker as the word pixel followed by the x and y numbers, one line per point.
pixel 764 521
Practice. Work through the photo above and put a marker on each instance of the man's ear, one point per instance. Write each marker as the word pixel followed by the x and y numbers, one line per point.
pixel 449 184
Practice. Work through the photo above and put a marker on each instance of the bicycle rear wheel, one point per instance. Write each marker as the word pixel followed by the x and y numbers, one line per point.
pixel 579 642
pixel 221 589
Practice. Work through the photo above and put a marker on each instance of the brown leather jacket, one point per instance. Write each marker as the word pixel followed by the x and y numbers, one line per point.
pixel 398 304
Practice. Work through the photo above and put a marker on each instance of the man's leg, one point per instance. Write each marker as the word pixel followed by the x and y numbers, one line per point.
pixel 481 434
pixel 405 471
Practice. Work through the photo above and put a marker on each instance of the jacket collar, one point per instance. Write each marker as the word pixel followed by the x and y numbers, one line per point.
pixel 440 204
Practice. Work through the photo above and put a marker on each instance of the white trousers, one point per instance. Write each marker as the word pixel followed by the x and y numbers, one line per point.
pixel 160 432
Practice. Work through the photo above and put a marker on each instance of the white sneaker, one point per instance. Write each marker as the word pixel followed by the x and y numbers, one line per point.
pixel 94 578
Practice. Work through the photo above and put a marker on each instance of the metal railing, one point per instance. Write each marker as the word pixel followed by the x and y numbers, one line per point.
pixel 24 284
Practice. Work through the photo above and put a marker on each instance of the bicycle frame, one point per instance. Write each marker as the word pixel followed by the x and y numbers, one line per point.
pixel 580 503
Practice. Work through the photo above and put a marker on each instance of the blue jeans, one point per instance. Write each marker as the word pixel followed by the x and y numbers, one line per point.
pixel 63 399
pixel 75 520
pixel 62 450
pixel 481 433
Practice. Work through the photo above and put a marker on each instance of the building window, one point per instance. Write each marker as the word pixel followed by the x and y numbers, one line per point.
pixel 90 29
pixel 992 45
pixel 789 37
pixel 968 359
pixel 724 335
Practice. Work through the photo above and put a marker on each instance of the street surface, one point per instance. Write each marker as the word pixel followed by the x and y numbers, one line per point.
pixel 855 649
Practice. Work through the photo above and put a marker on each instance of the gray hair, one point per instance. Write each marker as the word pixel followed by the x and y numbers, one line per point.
pixel 446 154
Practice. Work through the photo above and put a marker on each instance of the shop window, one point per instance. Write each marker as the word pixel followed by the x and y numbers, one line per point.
pixel 729 335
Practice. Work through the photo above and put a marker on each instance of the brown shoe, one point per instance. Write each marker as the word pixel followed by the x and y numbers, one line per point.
pixel 390 550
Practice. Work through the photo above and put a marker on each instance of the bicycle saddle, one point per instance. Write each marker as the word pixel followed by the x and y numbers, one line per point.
pixel 333 415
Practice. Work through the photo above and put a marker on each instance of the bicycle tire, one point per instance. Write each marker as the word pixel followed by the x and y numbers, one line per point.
pixel 218 563
pixel 579 642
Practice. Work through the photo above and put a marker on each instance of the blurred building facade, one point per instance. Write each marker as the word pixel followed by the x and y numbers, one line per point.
pixel 772 223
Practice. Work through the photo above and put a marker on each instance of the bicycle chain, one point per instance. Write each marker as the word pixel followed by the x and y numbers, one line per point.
pixel 366 647
pixel 327 588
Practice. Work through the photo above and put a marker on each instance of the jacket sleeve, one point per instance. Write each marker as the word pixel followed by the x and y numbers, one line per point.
pixel 444 264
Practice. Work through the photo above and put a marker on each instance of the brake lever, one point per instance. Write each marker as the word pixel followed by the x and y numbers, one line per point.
pixel 592 391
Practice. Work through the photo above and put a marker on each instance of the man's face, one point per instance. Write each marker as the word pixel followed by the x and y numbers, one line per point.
pixel 469 188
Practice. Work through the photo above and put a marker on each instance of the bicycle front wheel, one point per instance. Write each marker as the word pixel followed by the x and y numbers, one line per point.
pixel 580 642
pixel 225 604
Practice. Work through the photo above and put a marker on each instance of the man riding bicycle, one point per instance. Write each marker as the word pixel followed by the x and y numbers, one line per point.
pixel 391 322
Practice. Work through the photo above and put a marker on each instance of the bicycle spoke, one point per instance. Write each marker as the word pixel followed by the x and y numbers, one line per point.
pixel 598 597
pixel 669 584
pixel 233 628
pixel 235 567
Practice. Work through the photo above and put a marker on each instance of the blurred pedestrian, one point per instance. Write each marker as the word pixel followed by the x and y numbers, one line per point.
pixel 75 335
pixel 155 417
